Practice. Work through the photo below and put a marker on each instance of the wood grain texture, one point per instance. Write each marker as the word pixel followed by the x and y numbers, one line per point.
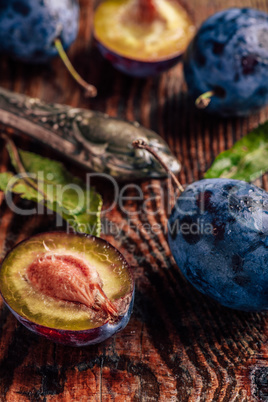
pixel 179 345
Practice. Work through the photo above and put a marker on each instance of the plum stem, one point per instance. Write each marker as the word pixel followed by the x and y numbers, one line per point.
pixel 141 144
pixel 14 153
pixel 91 91
pixel 204 99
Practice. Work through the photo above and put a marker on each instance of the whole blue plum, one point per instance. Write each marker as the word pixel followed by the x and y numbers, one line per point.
pixel 28 28
pixel 229 55
pixel 218 235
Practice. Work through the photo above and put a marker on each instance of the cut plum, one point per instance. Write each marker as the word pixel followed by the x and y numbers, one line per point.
pixel 142 37
pixel 73 289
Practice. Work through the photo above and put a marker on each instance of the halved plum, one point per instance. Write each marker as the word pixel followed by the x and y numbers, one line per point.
pixel 142 37
pixel 73 289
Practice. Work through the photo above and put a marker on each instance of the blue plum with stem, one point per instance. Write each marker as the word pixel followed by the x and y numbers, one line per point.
pixel 28 28
pixel 226 64
pixel 218 235
pixel 34 31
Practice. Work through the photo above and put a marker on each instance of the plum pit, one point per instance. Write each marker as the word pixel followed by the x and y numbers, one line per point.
pixel 69 278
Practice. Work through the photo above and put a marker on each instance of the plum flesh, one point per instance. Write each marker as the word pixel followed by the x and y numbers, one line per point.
pixel 218 235
pixel 229 55
pixel 28 28
pixel 73 289
pixel 128 32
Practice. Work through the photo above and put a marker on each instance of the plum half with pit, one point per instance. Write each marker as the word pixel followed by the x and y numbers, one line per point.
pixel 227 62
pixel 142 37
pixel 73 289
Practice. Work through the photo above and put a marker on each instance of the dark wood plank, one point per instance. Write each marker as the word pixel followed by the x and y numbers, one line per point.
pixel 179 345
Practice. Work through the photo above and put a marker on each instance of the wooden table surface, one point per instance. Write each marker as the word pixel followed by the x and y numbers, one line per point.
pixel 179 345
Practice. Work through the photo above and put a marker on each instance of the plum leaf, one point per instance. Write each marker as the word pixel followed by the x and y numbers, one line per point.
pixel 246 160
pixel 49 182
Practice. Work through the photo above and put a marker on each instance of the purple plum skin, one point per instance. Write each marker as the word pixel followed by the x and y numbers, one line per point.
pixel 137 68
pixel 28 28
pixel 229 55
pixel 78 338
pixel 220 242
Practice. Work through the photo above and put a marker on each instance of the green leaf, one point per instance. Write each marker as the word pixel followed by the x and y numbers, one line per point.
pixel 49 182
pixel 246 160
pixel 4 180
